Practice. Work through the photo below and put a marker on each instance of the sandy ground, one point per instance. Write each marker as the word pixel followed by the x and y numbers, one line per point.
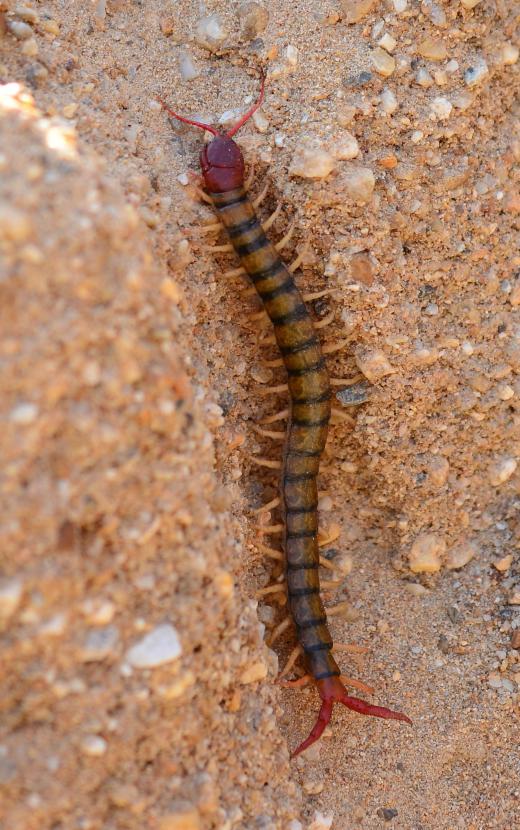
pixel 137 688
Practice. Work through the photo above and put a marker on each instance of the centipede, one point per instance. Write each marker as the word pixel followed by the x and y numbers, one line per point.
pixel 308 416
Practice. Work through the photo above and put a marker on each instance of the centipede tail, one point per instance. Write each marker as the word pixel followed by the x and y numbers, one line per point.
pixel 308 417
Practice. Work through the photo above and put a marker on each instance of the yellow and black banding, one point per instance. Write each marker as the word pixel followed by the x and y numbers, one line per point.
pixel 308 423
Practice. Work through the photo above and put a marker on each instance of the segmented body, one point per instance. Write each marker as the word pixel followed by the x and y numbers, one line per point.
pixel 307 428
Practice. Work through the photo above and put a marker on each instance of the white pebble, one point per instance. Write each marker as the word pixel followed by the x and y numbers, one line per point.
pixel 387 42
pixel 291 56
pixel 476 74
pixel 260 121
pixel 417 136
pixel 501 471
pixel 423 78
pixel 383 63
pixel 21 30
pixel 441 108
pixel 210 32
pixel 358 183
pixel 509 54
pixel 311 160
pixel 400 6
pixel 345 147
pixel 187 68
pixel 24 414
pixel 425 555
pixel 93 745
pixel 374 364
pixel 99 644
pixel 388 102
pixel 183 179
pixel 10 596
pixel 321 821
pixel 253 18
pixel 452 66
pixel 467 348
pixel 162 645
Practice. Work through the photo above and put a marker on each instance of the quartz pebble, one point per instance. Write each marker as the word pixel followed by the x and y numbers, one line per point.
pixel 356 10
pixel 345 147
pixel 99 644
pixel 510 54
pixel 476 73
pixel 374 364
pixel 432 49
pixel 187 67
pixel 501 471
pixel 503 565
pixel 358 183
pixel 160 646
pixel 210 32
pixel 311 160
pixel 441 108
pixel 321 821
pixel 425 555
pixel 93 745
pixel 254 673
pixel 20 30
pixel 253 19
pixel 389 103
pixel 383 63
pixel 387 42
pixel 24 414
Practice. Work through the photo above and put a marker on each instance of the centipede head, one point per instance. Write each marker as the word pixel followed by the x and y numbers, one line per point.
pixel 221 160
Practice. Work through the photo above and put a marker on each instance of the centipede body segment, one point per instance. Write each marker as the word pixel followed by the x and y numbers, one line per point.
pixel 309 414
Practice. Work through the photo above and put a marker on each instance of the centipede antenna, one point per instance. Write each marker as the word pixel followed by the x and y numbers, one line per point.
pixel 184 120
pixel 249 113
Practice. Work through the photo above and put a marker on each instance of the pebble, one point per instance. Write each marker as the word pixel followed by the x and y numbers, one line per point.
pixel 510 54
pixel 10 596
pixel 160 646
pixel 400 6
pixel 387 813
pixel 30 47
pixel 459 555
pixel 260 121
pixel 423 78
pixel 503 565
pixel 354 395
pixel 24 414
pixel 93 745
pixel 515 639
pixel 514 598
pixel 345 147
pixel 321 821
pixel 357 182
pixel 187 67
pixel 441 108
pixel 433 49
pixel 469 4
pixel 374 364
pixel 15 225
pixel 356 10
pixel 20 30
pixel 416 589
pixel 362 268
pixel 210 33
pixel 501 471
pixel 383 63
pixel 253 19
pixel 26 13
pixel 476 74
pixel 435 12
pixel 254 673
pixel 99 644
pixel 389 103
pixel 311 160
pixel 387 42
pixel 425 555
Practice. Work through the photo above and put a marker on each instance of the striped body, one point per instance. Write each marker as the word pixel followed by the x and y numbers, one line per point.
pixel 308 422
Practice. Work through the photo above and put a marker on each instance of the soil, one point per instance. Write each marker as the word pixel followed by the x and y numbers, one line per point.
pixel 138 689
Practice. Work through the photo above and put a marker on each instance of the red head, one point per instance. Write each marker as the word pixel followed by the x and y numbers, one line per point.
pixel 221 160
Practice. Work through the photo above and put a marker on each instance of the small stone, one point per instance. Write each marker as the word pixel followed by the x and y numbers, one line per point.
pixel 362 268
pixel 49 26
pixel 494 680
pixel 501 471
pixel 93 745
pixel 358 183
pixel 459 555
pixel 476 74
pixel 210 33
pixel 321 821
pixel 374 364
pixel 291 56
pixel 15 225
pixel 182 816
pixel 389 103
pixel 469 4
pixel 24 414
pixel 387 813
pixel 438 469
pixel 30 47
pixel 416 589
pixel 387 42
pixel 432 49
pixel 167 25
pixel 354 395
pixel 345 147
pixel 20 30
pixel 425 555
pixel 260 121
pixel 510 54
pixel 254 673
pixel 383 63
pixel 503 565
pixel 423 78
pixel 356 10
pixel 70 110
pixel 160 646
pixel 311 160
pixel 441 108
pixel 10 596
pixel 400 6
pixel 26 13
pixel 187 67
pixel 253 19
pixel 435 12
pixel 514 598
pixel 515 639
pixel 100 644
